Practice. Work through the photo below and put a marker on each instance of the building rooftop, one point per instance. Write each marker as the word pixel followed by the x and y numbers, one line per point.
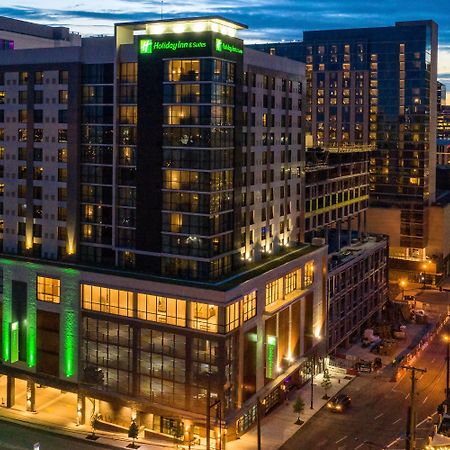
pixel 229 282
pixel 355 250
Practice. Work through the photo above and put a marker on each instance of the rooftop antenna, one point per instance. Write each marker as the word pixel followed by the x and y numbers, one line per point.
pixel 162 9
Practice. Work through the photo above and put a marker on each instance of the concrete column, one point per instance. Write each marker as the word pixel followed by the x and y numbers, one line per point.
pixel 359 226
pixel 338 235
pixel 327 232
pixel 349 230
pixel 81 409
pixel 31 396
pixel 240 374
pixel 10 391
pixel 365 224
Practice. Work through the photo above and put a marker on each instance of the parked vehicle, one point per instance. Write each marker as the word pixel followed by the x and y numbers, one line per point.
pixel 339 403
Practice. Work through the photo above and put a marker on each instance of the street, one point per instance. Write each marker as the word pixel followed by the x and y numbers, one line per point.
pixel 377 416
pixel 18 437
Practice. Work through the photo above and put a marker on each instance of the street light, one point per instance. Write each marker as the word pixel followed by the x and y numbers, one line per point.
pixel 403 286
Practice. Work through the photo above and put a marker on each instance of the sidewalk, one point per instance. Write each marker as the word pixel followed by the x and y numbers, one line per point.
pixel 278 426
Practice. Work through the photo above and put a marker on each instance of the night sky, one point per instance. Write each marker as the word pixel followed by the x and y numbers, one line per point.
pixel 268 20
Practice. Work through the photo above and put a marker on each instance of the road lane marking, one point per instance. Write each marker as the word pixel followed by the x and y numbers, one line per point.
pixel 377 417
pixel 340 440
pixel 406 396
pixel 392 443
pixel 398 420
pixel 425 399
pixel 359 446
pixel 425 420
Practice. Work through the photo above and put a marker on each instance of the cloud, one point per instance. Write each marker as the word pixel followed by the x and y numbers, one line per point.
pixel 284 20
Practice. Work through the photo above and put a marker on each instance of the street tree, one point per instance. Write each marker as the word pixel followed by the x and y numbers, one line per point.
pixel 298 407
pixel 326 383
pixel 133 432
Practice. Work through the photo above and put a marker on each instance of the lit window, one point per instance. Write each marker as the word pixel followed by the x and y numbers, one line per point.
pixel 48 289
pixel 232 317
pixel 204 317
pixel 273 291
pixel 249 306
pixel 162 309
pixel 309 274
pixel 290 282
pixel 112 301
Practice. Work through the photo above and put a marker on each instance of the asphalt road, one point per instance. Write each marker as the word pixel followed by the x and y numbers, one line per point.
pixel 377 418
pixel 18 437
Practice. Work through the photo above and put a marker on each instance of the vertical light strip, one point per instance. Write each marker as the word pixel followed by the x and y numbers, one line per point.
pixel 70 297
pixel 31 318
pixel 7 309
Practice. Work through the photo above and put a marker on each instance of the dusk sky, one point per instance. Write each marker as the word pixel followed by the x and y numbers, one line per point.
pixel 286 20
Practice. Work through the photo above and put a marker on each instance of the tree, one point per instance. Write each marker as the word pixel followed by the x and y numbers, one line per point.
pixel 298 407
pixel 94 424
pixel 133 431
pixel 326 383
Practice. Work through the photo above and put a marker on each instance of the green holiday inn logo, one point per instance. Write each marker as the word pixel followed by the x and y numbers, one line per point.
pixel 146 46
pixel 224 47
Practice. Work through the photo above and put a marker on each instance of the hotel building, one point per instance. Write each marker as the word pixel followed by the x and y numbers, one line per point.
pixel 151 225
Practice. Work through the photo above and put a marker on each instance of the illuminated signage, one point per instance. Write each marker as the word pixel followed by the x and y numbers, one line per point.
pixel 271 356
pixel 224 47
pixel 148 46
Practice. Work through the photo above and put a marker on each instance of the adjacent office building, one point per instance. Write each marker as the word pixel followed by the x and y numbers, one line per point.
pixel 378 87
pixel 151 224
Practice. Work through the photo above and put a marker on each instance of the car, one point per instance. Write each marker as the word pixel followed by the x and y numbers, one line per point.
pixel 410 298
pixel 339 403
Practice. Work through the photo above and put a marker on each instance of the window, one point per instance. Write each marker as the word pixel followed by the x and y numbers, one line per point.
pixel 38 116
pixel 23 97
pixel 204 317
pixel 309 274
pixel 62 135
pixel 48 289
pixel 249 306
pixel 273 291
pixel 111 301
pixel 232 317
pixel 38 97
pixel 290 282
pixel 38 135
pixel 39 78
pixel 23 77
pixel 63 97
pixel 183 70
pixel 23 114
pixel 161 309
pixel 62 155
pixel 22 134
pixel 63 77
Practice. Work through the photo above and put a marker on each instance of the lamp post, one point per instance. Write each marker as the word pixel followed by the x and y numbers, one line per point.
pixel 313 368
pixel 403 285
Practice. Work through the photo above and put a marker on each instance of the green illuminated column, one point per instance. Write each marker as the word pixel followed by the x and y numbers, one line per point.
pixel 7 309
pixel 31 316
pixel 70 299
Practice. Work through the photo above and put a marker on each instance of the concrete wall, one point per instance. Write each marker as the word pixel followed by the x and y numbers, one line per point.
pixel 385 221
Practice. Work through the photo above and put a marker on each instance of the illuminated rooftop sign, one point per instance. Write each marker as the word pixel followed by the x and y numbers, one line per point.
pixel 148 46
pixel 224 47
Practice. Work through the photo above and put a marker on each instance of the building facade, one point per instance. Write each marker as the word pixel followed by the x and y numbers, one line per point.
pixel 365 89
pixel 152 224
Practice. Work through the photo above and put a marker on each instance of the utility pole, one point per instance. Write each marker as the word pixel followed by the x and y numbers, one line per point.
pixel 411 422
pixel 258 421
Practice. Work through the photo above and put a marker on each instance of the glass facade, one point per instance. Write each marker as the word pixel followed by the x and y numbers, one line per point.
pixel 198 180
